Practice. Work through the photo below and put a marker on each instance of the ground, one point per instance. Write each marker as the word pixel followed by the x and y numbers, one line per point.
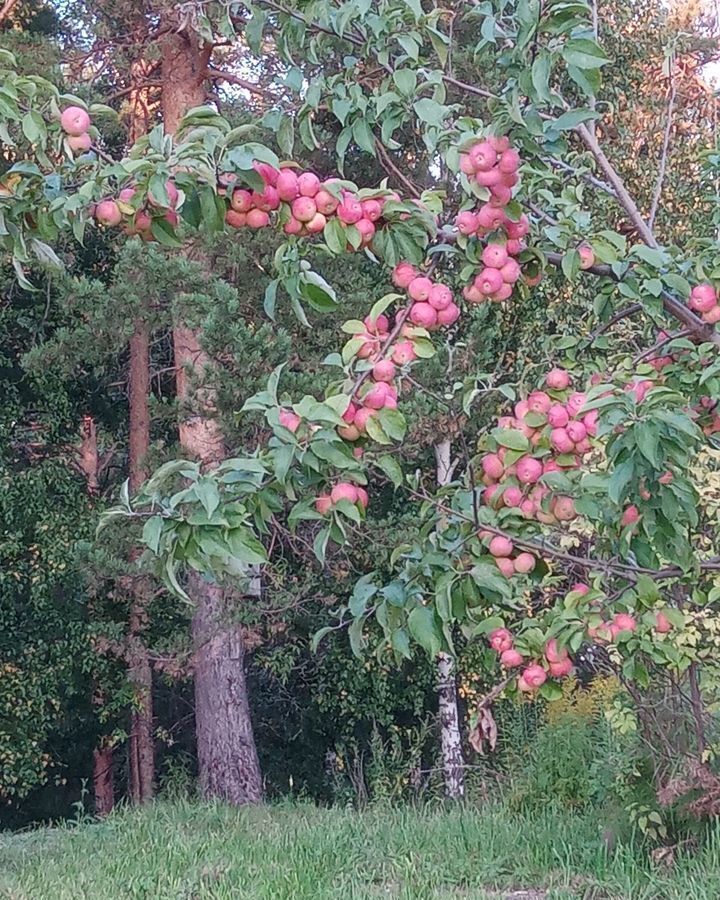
pixel 192 851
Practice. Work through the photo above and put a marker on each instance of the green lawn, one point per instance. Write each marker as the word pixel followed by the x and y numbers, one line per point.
pixel 189 851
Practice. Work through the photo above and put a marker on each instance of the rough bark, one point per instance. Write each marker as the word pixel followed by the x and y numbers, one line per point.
pixel 453 764
pixel 7 10
pixel 229 766
pixel 103 785
pixel 141 747
pixel 227 758
pixel 103 781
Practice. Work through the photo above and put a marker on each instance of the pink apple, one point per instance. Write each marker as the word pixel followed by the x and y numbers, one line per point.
pixel 308 184
pixel 287 185
pixel 403 274
pixel 466 222
pixel 344 491
pixel 419 288
pixel 511 658
pixel 423 314
pixel 500 640
pixel 524 563
pixel 74 120
pixel 500 546
pixel 107 212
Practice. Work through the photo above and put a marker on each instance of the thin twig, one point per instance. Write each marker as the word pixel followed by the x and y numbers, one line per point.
pixel 625 313
pixel 399 322
pixel 648 354
pixel 663 159
pixel 387 163
pixel 586 176
pixel 220 74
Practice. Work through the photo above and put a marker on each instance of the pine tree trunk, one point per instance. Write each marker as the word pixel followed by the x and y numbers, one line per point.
pixel 227 757
pixel 141 745
pixel 103 783
pixel 453 764
pixel 229 766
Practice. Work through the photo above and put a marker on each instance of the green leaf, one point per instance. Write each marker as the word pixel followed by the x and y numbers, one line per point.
pixel 571 119
pixel 376 432
pixel 320 544
pixel 319 635
pixel 341 109
pixel 286 135
pixel 401 643
pixel 164 233
pixel 583 54
pixel 270 299
pixel 541 76
pixel 550 691
pixel 430 111
pixel 395 593
pixel 152 531
pixel 425 629
pixel 489 624
pixel 391 468
pixel 409 45
pixel 172 581
pixel 619 480
pixel 355 634
pixel 393 423
pixel 381 305
pixel 405 80
pixel 511 438
pixel 318 293
pixel 207 493
pixel 646 438
pixel 335 237
pixel 363 136
pixel 571 264
pixel 33 126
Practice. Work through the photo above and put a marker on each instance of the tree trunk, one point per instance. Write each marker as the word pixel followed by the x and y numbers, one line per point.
pixel 103 783
pixel 453 764
pixel 229 766
pixel 227 758
pixel 141 746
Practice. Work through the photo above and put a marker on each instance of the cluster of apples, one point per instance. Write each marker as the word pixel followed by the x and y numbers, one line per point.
pixel 502 549
pixel 379 391
pixel 75 122
pixel 433 305
pixel 607 632
pixel 558 434
pixel 309 201
pixel 343 490
pixel 493 164
pixel 111 212
pixel 533 675
pixel 704 301
pixel 500 273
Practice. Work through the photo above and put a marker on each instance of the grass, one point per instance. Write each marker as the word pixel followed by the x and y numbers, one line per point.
pixel 193 851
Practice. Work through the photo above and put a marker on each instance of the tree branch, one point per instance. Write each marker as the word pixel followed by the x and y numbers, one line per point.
pixel 663 159
pixel 618 185
pixel 388 164
pixel 221 75
pixel 7 9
